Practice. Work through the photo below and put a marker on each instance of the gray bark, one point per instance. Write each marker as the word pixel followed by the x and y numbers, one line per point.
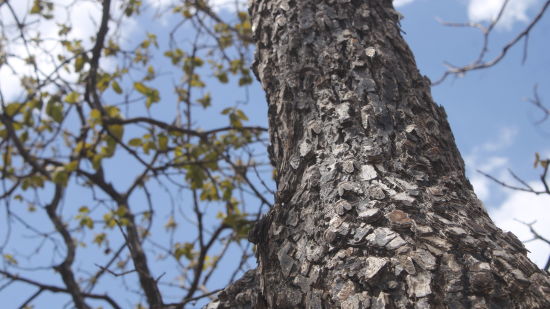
pixel 373 209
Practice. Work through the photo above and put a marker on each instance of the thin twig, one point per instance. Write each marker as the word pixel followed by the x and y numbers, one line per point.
pixel 480 63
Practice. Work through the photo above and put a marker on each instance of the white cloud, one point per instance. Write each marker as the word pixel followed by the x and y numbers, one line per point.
pixel 481 158
pixel 216 5
pixel 487 10
pixel 398 3
pixel 493 163
pixel 506 137
pixel 526 207
pixel 511 205
pixel 229 5
pixel 160 4
pixel 84 18
pixel 482 184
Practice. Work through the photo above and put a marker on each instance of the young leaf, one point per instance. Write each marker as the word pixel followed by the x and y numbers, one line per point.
pixel 141 88
pixel 54 109
pixel 72 97
pixel 79 63
pixel 116 87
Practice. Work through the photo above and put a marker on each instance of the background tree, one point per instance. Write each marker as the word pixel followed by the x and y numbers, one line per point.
pixel 89 105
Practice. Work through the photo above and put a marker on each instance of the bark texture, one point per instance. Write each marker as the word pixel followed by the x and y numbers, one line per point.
pixel 373 209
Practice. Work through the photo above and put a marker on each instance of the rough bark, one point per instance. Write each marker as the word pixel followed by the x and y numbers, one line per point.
pixel 373 209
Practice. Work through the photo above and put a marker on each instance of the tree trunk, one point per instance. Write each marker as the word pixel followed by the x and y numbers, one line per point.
pixel 373 209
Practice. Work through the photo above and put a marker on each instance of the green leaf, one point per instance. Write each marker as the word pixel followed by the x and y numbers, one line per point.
pixel 209 192
pixel 176 55
pixel 63 29
pixel 241 114
pixel 171 224
pixel 148 146
pixel 141 88
pixel 96 161
pixel 10 259
pixel 196 81
pixel 205 101
pixel 152 97
pixel 116 87
pixel 109 220
pixel 195 176
pixel 150 73
pixel 163 142
pixel 7 157
pixel 185 249
pixel 235 65
pixel 245 80
pixel 79 63
pixel 103 82
pixel 36 7
pixel 135 142
pixel 109 150
pixel 121 211
pixel 222 77
pixel 60 177
pixel 12 109
pixel 112 111
pixel 71 166
pixel 86 221
pixel 72 97
pixel 116 130
pixel 54 109
pixel 99 238
pixel 95 116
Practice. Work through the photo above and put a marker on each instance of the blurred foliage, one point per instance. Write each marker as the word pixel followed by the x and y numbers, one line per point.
pixel 95 138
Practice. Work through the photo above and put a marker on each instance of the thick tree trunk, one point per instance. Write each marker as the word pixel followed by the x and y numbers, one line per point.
pixel 373 209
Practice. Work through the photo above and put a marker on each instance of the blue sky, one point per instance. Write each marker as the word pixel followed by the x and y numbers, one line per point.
pixel 493 125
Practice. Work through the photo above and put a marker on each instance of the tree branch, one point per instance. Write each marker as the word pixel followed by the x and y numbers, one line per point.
pixel 479 63
pixel 56 289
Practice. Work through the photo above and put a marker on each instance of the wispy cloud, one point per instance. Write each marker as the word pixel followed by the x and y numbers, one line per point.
pixel 83 16
pixel 526 207
pixel 487 10
pixel 485 159
pixel 505 138
pixel 482 185
pixel 398 3
pixel 506 206
pixel 217 5
pixel 161 4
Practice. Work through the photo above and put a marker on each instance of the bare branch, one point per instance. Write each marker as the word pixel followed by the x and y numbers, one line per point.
pixel 537 102
pixel 480 63
pixel 56 289
pixel 65 267
pixel 527 188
